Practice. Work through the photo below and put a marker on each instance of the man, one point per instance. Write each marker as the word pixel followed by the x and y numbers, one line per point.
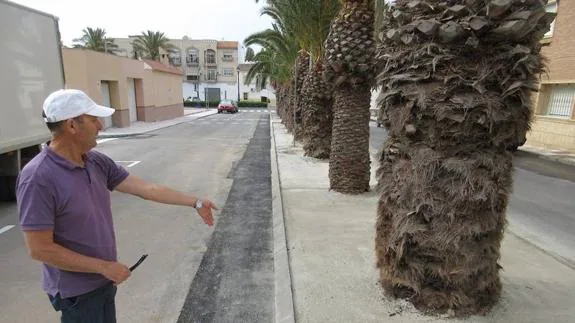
pixel 64 203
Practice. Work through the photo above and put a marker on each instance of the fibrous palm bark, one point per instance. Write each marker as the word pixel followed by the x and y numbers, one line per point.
pixel 349 53
pixel 457 81
pixel 299 73
pixel 317 103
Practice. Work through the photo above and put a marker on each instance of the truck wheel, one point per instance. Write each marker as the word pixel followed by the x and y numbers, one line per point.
pixel 8 188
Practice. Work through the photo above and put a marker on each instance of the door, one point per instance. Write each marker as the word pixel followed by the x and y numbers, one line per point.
pixel 107 102
pixel 132 100
pixel 213 94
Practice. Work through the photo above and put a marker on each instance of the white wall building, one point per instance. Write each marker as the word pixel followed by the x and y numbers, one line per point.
pixel 252 92
pixel 209 67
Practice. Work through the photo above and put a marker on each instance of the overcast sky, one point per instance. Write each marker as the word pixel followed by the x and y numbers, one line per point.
pixel 198 19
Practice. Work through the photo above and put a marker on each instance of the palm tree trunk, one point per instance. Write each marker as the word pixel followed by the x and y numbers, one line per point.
pixel 318 114
pixel 300 71
pixel 289 113
pixel 453 108
pixel 349 70
pixel 349 164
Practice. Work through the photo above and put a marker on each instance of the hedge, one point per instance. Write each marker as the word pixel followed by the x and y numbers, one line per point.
pixel 252 104
pixel 202 104
pixel 213 104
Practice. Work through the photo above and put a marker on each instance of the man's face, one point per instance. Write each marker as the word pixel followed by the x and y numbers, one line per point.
pixel 85 131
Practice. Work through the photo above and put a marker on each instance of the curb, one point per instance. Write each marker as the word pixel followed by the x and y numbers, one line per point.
pixel 283 300
pixel 557 159
pixel 130 134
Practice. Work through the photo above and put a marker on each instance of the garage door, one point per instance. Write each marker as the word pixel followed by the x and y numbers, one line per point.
pixel 132 100
pixel 105 89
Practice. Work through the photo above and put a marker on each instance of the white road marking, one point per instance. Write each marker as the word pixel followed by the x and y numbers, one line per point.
pixel 6 228
pixel 131 163
pixel 99 141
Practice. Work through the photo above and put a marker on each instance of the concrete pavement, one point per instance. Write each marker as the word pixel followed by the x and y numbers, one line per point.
pixel 330 247
pixel 557 155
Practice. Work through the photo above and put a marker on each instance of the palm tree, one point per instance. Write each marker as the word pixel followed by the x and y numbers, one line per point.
pixel 349 69
pixel 95 39
pixel 456 92
pixel 148 44
pixel 316 98
pixel 274 62
pixel 281 43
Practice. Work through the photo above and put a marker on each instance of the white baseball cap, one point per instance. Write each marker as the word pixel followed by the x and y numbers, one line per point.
pixel 67 104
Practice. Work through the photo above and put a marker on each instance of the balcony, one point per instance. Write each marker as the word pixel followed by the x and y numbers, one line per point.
pixel 211 63
pixel 193 61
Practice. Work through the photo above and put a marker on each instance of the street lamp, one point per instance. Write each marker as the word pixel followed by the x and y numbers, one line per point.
pixel 238 70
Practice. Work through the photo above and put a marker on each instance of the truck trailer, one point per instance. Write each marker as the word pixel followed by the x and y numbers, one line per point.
pixel 31 68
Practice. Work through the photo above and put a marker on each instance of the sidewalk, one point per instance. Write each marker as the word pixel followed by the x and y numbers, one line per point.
pixel 331 258
pixel 557 155
pixel 140 127
pixel 561 156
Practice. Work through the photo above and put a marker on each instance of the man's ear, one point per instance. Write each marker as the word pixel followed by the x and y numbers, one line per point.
pixel 70 126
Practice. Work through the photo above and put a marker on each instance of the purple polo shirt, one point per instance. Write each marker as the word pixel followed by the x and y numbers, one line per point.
pixel 54 194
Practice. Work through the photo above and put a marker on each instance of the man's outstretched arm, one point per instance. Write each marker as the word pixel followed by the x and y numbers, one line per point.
pixel 162 194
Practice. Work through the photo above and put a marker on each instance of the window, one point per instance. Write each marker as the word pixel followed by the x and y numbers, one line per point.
pixel 228 57
pixel 192 77
pixel 551 7
pixel 192 56
pixel 175 58
pixel 561 100
pixel 228 72
pixel 211 75
pixel 210 56
pixel 246 95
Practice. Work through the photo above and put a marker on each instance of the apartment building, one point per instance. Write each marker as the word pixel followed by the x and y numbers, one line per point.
pixel 554 122
pixel 209 67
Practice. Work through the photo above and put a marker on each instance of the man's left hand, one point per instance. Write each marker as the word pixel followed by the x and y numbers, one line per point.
pixel 206 212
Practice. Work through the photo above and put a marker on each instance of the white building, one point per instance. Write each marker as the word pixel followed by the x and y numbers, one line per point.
pixel 251 91
pixel 209 67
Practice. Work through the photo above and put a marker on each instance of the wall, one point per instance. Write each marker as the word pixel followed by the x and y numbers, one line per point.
pixel 85 69
pixel 561 46
pixel 547 131
pixel 155 90
pixel 229 91
pixel 163 97
pixel 251 89
pixel 552 133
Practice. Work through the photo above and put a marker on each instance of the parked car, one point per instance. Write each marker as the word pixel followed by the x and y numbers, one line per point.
pixel 227 106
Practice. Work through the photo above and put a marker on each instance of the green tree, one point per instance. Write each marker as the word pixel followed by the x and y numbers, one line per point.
pixel 250 54
pixel 456 96
pixel 148 44
pixel 95 39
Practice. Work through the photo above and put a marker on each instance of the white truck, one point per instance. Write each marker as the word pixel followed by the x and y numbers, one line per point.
pixel 31 68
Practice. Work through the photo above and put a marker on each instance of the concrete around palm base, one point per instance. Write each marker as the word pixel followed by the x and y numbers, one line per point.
pixel 330 241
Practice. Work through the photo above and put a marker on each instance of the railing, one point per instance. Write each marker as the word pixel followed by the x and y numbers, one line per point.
pixel 561 101
pixel 192 60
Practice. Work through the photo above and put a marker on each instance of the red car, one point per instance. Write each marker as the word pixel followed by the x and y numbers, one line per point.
pixel 227 106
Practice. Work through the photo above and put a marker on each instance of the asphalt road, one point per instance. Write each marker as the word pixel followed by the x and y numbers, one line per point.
pixel 204 157
pixel 542 206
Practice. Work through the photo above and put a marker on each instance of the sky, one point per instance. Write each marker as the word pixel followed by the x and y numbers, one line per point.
pixel 197 19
